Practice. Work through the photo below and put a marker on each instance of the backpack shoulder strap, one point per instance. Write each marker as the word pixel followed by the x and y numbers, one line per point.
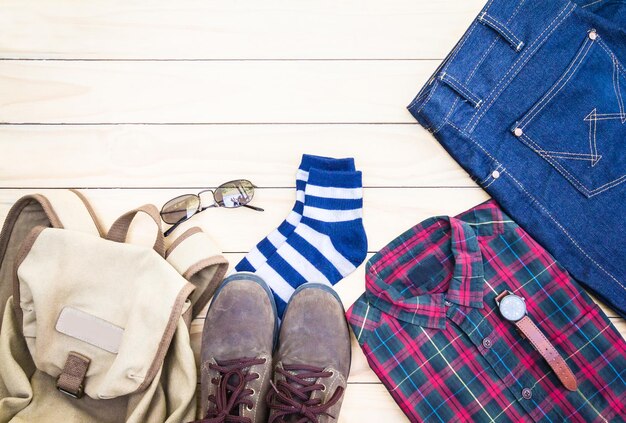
pixel 119 229
pixel 195 256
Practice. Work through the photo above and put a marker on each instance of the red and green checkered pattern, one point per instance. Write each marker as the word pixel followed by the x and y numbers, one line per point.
pixel 429 326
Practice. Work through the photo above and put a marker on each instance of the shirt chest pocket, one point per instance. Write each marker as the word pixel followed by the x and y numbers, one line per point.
pixel 579 124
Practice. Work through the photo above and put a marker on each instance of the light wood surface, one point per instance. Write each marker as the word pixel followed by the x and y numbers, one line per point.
pixel 139 101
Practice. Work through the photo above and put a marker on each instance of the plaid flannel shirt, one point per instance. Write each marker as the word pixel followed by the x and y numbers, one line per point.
pixel 430 328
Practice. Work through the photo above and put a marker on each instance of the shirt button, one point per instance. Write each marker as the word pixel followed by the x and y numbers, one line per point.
pixel 495 174
pixel 487 343
pixel 527 393
pixel 518 132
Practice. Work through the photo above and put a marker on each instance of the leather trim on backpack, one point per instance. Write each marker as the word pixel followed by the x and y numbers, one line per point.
pixel 165 342
pixel 90 210
pixel 25 248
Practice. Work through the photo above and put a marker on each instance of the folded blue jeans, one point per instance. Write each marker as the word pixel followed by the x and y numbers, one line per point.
pixel 532 104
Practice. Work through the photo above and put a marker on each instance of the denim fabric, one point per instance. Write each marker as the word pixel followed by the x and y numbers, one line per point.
pixel 532 103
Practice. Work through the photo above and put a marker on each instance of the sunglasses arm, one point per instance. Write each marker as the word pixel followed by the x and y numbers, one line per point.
pixel 174 226
pixel 253 207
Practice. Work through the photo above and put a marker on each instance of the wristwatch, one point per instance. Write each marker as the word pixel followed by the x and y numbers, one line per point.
pixel 513 308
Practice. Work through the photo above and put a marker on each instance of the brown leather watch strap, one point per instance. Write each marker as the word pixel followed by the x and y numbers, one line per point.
pixel 548 352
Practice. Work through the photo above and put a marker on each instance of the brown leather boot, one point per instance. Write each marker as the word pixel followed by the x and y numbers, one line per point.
pixel 312 362
pixel 237 344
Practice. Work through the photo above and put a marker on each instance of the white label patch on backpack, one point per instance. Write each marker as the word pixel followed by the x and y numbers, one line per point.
pixel 90 329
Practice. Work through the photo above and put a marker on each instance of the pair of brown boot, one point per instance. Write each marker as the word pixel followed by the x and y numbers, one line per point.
pixel 250 374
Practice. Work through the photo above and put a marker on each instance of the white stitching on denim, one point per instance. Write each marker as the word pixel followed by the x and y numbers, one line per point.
pixel 493 43
pixel 594 146
pixel 559 84
pixel 572 156
pixel 591 133
pixel 609 52
pixel 450 59
pixel 419 97
pixel 607 116
pixel 573 241
pixel 471 138
pixel 618 91
pixel 593 126
pixel 592 3
pixel 461 43
pixel 617 68
pixel 425 102
pixel 496 37
pixel 535 147
pixel 460 88
pixel 501 29
pixel 571 178
pixel 466 36
pixel 495 179
pixel 556 155
pixel 482 59
pixel 529 53
pixel 458 48
pixel 490 175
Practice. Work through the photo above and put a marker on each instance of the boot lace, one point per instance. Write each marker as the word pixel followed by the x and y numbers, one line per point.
pixel 231 391
pixel 292 396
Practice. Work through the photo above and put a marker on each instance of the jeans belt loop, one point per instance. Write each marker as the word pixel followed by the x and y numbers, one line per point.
pixel 502 30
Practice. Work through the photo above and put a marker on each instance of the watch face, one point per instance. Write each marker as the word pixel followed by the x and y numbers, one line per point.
pixel 512 307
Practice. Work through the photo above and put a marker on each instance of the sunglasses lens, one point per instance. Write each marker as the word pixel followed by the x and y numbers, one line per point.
pixel 234 194
pixel 180 207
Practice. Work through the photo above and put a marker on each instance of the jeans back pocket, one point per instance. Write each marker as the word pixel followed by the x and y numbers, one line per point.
pixel 579 124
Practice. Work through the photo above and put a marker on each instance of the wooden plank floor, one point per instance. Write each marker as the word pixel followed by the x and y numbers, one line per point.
pixel 140 101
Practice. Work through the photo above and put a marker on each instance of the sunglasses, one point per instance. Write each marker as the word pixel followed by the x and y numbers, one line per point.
pixel 230 195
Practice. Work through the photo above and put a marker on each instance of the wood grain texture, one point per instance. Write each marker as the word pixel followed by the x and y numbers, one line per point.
pixel 368 91
pixel 387 211
pixel 366 403
pixel 245 29
pixel 141 101
pixel 202 155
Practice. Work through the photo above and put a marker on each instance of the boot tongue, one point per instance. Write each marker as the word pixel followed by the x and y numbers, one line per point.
pixel 233 379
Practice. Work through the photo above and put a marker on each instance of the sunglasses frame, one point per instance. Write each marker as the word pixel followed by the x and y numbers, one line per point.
pixel 200 209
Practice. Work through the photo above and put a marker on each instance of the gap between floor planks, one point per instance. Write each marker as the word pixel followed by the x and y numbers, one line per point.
pixel 201 156
pixel 246 29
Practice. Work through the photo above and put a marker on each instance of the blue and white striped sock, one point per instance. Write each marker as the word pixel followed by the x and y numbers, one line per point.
pixel 328 244
pixel 267 246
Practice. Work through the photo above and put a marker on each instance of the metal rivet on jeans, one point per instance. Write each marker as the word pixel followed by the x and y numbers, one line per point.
pixel 593 35
pixel 487 343
pixel 495 174
pixel 527 393
pixel 518 132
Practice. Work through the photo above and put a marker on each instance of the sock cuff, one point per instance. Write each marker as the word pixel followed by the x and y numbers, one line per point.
pixel 310 161
pixel 333 179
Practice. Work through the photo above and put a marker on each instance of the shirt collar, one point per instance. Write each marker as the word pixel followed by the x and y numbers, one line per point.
pixel 435 262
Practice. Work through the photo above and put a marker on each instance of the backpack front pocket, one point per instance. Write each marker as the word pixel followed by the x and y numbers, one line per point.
pixel 579 124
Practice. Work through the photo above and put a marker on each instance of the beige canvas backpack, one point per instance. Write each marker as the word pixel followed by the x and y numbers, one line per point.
pixel 95 329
